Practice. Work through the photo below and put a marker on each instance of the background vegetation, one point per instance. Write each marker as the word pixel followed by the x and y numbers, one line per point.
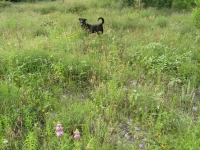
pixel 135 86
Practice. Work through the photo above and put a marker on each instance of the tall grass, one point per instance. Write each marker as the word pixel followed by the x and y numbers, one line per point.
pixel 135 86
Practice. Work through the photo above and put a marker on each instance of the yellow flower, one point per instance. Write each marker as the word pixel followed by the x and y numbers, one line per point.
pixel 68 37
pixel 16 79
pixel 58 37
pixel 158 134
pixel 43 110
pixel 164 145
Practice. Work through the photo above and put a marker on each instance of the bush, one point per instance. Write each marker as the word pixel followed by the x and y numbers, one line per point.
pixel 196 17
pixel 40 31
pixel 158 4
pixel 178 4
pixel 4 4
pixel 47 10
pixel 76 8
pixel 164 3
pixel 182 4
pixel 161 22
pixel 127 2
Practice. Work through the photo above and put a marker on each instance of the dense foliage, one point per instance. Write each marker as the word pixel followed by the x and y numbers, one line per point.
pixel 178 4
pixel 196 14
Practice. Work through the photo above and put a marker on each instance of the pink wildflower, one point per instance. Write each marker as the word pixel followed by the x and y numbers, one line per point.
pixel 141 146
pixel 77 135
pixel 59 130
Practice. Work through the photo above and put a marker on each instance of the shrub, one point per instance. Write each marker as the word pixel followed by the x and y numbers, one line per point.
pixel 164 3
pixel 40 31
pixel 127 2
pixel 4 4
pixel 46 10
pixel 158 4
pixel 197 3
pixel 76 8
pixel 196 17
pixel 187 28
pixel 182 4
pixel 161 22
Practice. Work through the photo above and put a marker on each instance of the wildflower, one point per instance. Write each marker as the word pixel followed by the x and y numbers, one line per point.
pixel 77 135
pixel 158 134
pixel 170 111
pixel 16 79
pixel 59 130
pixel 68 37
pixel 133 83
pixel 141 146
pixel 164 145
pixel 58 37
pixel 5 141
pixel 194 108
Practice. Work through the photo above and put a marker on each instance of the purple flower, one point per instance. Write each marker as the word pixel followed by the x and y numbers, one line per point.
pixel 59 127
pixel 77 135
pixel 59 130
pixel 141 146
pixel 59 134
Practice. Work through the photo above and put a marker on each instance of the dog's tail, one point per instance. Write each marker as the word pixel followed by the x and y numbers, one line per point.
pixel 102 20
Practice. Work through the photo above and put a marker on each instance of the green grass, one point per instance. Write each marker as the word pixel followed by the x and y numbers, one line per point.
pixel 138 83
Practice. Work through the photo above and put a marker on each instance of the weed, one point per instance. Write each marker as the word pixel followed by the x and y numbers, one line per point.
pixel 161 22
pixel 76 8
pixel 47 10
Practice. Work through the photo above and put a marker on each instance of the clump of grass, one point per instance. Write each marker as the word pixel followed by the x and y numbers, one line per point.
pixel 46 9
pixel 131 23
pixel 146 13
pixel 76 8
pixel 187 28
pixel 4 4
pixel 161 22
pixel 40 31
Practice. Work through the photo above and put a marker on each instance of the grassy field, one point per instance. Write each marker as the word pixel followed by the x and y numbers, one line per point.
pixel 137 86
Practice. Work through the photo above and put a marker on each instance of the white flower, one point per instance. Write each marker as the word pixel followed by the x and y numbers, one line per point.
pixel 194 108
pixel 5 141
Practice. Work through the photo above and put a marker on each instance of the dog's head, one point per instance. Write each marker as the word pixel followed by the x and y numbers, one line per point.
pixel 82 21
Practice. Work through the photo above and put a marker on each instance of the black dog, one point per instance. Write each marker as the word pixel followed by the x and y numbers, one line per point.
pixel 92 28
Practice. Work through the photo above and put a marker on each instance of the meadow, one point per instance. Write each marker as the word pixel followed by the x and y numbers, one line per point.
pixel 136 86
